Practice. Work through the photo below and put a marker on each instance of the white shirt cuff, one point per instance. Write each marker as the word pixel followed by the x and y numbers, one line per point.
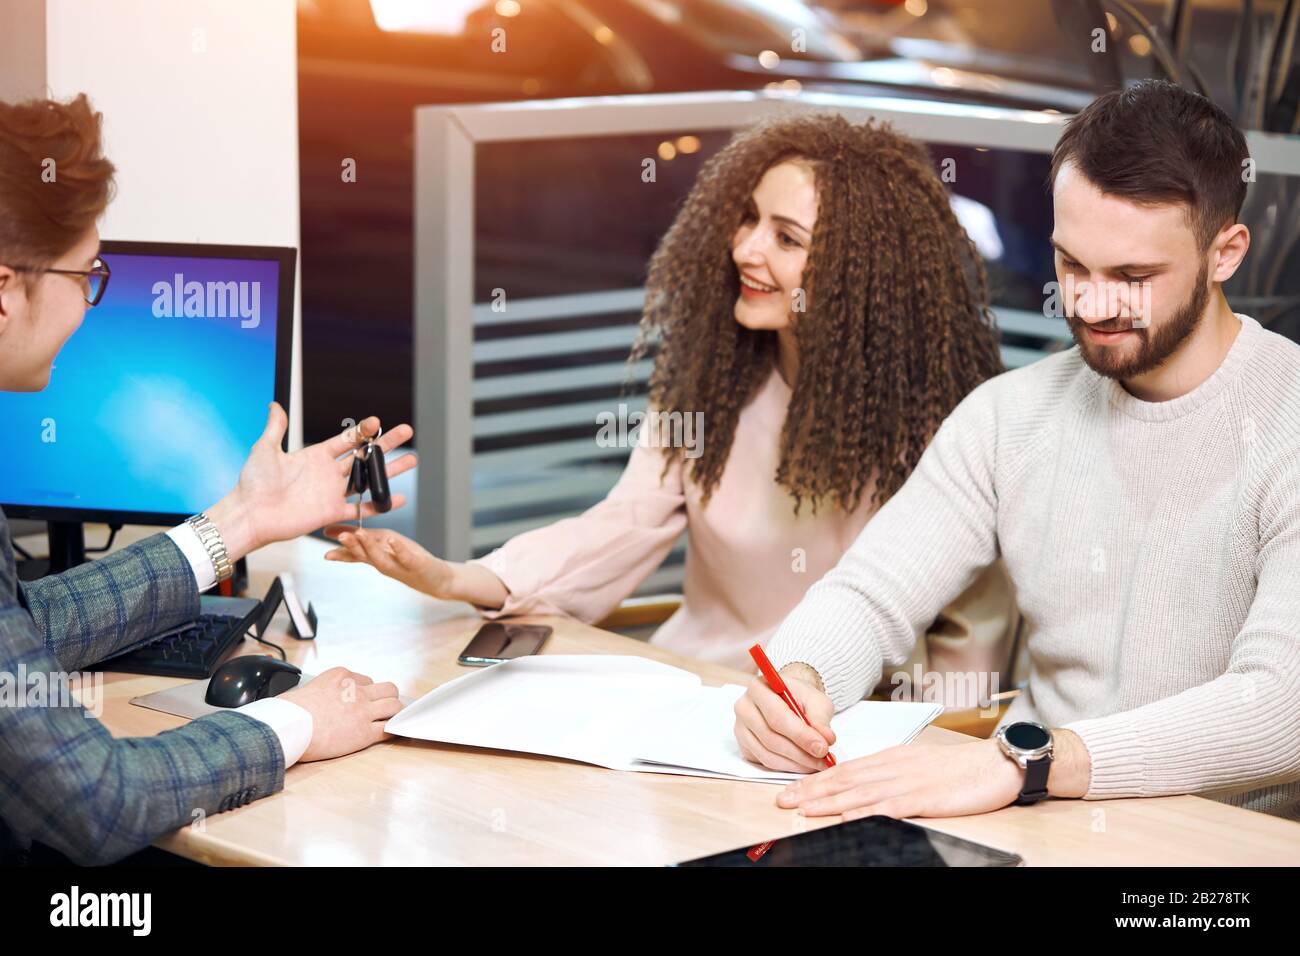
pixel 290 722
pixel 187 539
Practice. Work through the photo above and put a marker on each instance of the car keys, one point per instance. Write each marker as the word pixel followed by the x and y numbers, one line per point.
pixel 369 473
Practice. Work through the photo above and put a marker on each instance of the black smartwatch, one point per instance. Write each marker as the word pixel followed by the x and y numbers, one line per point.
pixel 1030 746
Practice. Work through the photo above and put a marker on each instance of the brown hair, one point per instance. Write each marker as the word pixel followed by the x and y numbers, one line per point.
pixel 896 329
pixel 1158 143
pixel 54 180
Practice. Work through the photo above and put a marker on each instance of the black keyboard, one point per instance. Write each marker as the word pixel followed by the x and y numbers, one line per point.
pixel 193 650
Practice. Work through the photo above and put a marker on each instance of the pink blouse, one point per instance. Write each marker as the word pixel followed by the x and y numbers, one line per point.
pixel 749 559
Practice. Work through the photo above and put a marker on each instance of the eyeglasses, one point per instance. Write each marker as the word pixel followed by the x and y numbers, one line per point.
pixel 94 281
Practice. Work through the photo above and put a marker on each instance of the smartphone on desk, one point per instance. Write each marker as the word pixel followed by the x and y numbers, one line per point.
pixel 496 642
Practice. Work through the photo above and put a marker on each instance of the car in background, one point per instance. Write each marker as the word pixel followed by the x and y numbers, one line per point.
pixel 365 65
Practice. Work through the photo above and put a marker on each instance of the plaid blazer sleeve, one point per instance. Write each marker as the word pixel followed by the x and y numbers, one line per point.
pixel 64 779
pixel 93 611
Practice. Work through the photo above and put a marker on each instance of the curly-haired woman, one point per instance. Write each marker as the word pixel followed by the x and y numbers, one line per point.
pixel 818 302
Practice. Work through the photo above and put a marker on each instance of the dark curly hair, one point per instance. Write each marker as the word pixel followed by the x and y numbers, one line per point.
pixel 896 331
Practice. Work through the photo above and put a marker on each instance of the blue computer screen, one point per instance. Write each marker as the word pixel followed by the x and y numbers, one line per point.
pixel 155 401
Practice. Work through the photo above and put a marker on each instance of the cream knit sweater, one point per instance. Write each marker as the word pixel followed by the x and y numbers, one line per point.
pixel 1155 549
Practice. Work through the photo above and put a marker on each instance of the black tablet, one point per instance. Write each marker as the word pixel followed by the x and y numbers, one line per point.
pixel 871 841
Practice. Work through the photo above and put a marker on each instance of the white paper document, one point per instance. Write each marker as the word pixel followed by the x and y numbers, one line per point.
pixel 626 713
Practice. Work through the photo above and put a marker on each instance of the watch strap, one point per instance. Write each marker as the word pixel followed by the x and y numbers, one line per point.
pixel 1035 787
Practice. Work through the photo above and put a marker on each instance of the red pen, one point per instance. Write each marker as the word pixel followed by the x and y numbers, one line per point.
pixel 774 681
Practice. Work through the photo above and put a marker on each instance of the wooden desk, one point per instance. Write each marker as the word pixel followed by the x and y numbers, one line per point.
pixel 413 802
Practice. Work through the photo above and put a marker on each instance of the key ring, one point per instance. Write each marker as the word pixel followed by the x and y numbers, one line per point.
pixel 363 439
pixel 369 473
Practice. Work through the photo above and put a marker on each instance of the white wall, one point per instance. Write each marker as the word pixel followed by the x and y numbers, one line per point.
pixel 22 49
pixel 200 104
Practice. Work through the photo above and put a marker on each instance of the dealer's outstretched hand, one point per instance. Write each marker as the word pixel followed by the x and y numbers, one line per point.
pixel 281 496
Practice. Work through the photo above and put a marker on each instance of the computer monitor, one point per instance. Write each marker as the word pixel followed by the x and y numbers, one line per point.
pixel 155 401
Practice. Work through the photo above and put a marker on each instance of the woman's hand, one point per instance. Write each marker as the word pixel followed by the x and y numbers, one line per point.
pixel 395 555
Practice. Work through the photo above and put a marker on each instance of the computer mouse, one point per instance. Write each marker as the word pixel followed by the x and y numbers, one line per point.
pixel 242 680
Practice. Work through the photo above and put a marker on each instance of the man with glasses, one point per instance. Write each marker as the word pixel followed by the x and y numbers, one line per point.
pixel 94 281
pixel 65 782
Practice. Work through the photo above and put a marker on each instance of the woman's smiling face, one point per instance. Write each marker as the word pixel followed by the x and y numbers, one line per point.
pixel 770 249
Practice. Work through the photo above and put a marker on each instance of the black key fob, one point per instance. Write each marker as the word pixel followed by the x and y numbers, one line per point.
pixel 360 474
pixel 377 479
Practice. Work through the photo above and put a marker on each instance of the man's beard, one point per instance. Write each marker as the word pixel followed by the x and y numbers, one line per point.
pixel 1154 346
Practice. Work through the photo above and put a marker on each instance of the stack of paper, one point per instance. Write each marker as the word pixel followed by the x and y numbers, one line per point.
pixel 626 713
